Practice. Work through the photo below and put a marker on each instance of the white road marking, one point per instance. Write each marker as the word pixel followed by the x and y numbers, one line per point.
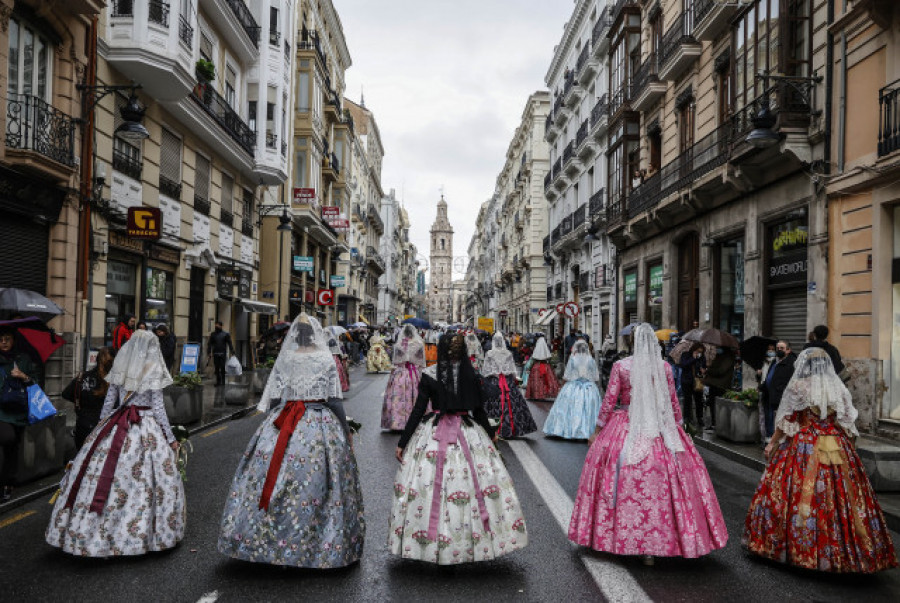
pixel 614 581
pixel 209 597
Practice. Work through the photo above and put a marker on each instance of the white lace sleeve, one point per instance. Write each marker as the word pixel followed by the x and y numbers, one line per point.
pixel 158 408
pixel 112 394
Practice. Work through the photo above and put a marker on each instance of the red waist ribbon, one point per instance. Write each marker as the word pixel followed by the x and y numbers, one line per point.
pixel 505 403
pixel 286 423
pixel 121 421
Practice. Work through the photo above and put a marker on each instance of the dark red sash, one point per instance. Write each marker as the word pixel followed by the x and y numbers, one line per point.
pixel 121 421
pixel 505 402
pixel 286 422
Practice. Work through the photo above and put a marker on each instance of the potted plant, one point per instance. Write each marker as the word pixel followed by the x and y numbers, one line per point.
pixel 205 71
pixel 737 416
pixel 184 398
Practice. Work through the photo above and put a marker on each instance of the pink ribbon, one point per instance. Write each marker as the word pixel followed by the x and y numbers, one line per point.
pixel 449 431
pixel 413 372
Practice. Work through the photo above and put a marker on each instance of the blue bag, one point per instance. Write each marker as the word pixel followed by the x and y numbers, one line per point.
pixel 39 405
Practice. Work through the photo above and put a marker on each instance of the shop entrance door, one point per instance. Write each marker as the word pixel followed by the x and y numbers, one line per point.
pixel 688 282
pixel 195 305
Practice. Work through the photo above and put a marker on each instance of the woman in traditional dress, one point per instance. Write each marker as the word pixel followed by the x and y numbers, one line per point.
pixel 474 351
pixel 123 495
pixel 335 348
pixel 503 399
pixel 454 500
pixel 644 490
pixel 814 507
pixel 574 413
pixel 295 499
pixel 377 360
pixel 542 383
pixel 403 385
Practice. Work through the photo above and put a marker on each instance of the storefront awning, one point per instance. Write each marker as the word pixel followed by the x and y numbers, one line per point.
pixel 259 307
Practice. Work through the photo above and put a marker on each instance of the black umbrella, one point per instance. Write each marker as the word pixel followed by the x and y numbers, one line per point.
pixel 27 303
pixel 753 350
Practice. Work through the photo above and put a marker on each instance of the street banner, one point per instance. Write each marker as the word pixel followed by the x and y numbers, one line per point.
pixel 190 355
pixel 486 324
pixel 303 263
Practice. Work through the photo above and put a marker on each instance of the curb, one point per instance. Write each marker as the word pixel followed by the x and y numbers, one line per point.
pixel 47 491
pixel 891 518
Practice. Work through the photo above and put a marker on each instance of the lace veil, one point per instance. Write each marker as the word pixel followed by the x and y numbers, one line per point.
pixel 498 360
pixel 541 351
pixel 650 413
pixel 333 346
pixel 409 347
pixel 473 347
pixel 581 364
pixel 139 365
pixel 816 386
pixel 305 368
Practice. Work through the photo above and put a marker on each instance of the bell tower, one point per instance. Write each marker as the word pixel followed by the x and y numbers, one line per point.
pixel 439 287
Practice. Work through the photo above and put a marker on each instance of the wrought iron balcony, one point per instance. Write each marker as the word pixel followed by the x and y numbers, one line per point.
pixel 374 258
pixel 601 26
pixel 126 164
pixel 568 153
pixel 170 188
pixel 557 167
pixel 712 17
pixel 581 136
pixel 226 218
pixel 548 180
pixel 679 47
pixel 123 8
pixel 889 121
pixel 245 18
pixel 216 106
pixel 645 74
pixel 201 205
pixel 32 124
pixel 565 227
pixel 582 57
pixel 599 111
pixel 596 203
pixel 159 12
pixel 185 31
pixel 375 218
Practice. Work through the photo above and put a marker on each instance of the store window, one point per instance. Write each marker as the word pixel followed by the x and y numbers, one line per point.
pixel 730 284
pixel 121 290
pixel 629 297
pixel 158 296
pixel 655 295
pixel 786 279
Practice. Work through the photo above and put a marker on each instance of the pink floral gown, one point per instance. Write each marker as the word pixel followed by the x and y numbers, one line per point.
pixel 663 506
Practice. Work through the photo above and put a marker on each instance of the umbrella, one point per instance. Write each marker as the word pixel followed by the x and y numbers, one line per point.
pixel 418 323
pixel 753 350
pixel 480 332
pixel 359 325
pixel 715 337
pixel 35 336
pixel 685 345
pixel 664 334
pixel 336 330
pixel 28 303
pixel 628 329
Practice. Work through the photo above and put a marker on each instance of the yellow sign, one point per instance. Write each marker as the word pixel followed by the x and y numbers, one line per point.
pixel 407 316
pixel 486 324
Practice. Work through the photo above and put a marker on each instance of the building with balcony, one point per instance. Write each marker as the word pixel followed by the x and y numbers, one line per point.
pixel 391 248
pixel 863 291
pixel 580 131
pixel 714 166
pixel 484 272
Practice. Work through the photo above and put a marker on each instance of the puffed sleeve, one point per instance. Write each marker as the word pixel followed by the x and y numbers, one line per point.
pixel 673 394
pixel 612 395
pixel 418 411
pixel 158 408
pixel 112 394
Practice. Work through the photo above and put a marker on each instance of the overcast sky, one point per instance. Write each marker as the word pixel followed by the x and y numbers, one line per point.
pixel 447 81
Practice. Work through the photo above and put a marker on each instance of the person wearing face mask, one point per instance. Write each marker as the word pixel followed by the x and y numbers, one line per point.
pixel 776 379
pixel 719 376
pixel 454 501
pixel 17 371
pixel 760 377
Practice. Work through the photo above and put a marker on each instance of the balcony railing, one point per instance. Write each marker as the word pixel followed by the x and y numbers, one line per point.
pixel 185 31
pixel 646 73
pixel 125 164
pixel 678 33
pixel 158 12
pixel 581 136
pixel 372 256
pixel 245 18
pixel 889 121
pixel 579 216
pixel 557 167
pixel 565 227
pixel 701 8
pixel 548 179
pixel 601 26
pixel 33 124
pixel 596 203
pixel 226 218
pixel 201 205
pixel 599 110
pixel 555 234
pixel 123 8
pixel 619 99
pixel 170 188
pixel 568 152
pixel 582 57
pixel 225 116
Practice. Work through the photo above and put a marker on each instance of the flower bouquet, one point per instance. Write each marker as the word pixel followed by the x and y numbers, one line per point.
pixel 184 449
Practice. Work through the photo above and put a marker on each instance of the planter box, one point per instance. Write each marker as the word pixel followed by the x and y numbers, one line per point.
pixel 238 390
pixel 43 449
pixel 183 405
pixel 260 377
pixel 737 422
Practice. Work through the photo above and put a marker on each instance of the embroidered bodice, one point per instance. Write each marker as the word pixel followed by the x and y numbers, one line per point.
pixel 152 398
pixel 618 392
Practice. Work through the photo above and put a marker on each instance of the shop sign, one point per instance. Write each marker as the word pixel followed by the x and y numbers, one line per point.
pixel 789 239
pixel 486 324
pixel 330 212
pixel 631 288
pixel 144 223
pixel 310 297
pixel 245 280
pixel 190 356
pixel 120 241
pixel 656 282
pixel 325 297
pixel 120 278
pixel 338 280
pixel 226 279
pixel 295 295
pixel 164 254
pixel 304 196
pixel 789 268
pixel 503 313
pixel 303 263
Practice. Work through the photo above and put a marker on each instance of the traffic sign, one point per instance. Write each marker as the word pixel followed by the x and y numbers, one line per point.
pixel 325 297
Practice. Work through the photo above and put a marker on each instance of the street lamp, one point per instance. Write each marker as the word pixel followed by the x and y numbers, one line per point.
pixel 284 225
pixel 763 136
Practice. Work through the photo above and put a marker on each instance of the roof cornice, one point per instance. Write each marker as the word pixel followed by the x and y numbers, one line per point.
pixel 573 25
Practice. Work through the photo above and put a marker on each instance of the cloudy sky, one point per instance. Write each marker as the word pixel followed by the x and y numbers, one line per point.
pixel 447 81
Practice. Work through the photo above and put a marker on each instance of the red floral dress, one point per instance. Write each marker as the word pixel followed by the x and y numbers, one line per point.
pixel 542 383
pixel 815 508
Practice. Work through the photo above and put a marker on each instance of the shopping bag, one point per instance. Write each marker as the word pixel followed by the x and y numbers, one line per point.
pixel 233 367
pixel 39 405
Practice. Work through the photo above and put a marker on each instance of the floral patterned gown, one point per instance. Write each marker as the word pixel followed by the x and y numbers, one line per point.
pixel 663 506
pixel 124 506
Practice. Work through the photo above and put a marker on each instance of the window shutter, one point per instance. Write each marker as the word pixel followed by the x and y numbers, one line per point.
pixel 227 193
pixel 170 156
pixel 201 178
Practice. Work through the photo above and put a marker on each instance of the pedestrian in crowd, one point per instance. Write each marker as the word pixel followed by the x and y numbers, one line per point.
pixel 474 351
pixel 123 494
pixel 693 368
pixel 219 347
pixel 335 349
pixel 122 332
pixel 515 342
pixel 718 378
pixel 141 326
pixel 503 400
pixel 541 383
pixel 574 413
pixel 403 384
pixel 166 344
pixel 568 342
pixel 17 372
pixel 775 382
pixel 378 359
pixel 815 507
pixel 761 375
pixel 644 489
pixel 88 392
pixel 295 499
pixel 819 339
pixel 450 467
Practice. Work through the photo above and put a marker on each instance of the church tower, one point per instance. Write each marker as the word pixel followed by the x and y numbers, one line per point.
pixel 439 290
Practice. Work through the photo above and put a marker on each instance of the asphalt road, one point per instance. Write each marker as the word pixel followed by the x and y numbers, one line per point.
pixel 546 474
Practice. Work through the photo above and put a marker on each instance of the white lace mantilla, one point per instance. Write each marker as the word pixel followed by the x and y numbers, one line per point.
pixel 301 376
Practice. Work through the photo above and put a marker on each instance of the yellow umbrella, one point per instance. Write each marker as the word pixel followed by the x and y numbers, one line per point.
pixel 664 334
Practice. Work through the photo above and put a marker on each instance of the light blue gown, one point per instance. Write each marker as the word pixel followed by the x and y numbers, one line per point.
pixel 574 413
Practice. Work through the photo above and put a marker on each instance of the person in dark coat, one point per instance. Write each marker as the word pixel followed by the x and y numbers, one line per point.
pixel 88 392
pixel 776 380
pixel 166 344
pixel 819 340
pixel 719 377
pixel 17 368
pixel 219 346
pixel 692 364
pixel 123 331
